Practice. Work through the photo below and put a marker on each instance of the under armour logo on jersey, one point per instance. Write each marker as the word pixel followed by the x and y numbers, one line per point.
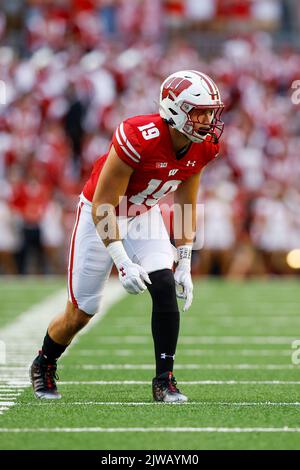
pixel 164 356
pixel 191 163
pixel 173 172
pixel 122 271
pixel 161 164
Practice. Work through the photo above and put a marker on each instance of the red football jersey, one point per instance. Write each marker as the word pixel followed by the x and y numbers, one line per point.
pixel 144 143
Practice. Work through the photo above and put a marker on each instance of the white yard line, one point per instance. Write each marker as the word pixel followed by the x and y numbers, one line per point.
pixel 183 382
pixel 185 352
pixel 9 396
pixel 139 403
pixel 24 336
pixel 154 429
pixel 25 383
pixel 226 311
pixel 255 339
pixel 251 321
pixel 213 318
pixel 186 367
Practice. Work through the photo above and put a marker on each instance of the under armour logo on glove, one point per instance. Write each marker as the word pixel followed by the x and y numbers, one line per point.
pixel 122 271
pixel 133 277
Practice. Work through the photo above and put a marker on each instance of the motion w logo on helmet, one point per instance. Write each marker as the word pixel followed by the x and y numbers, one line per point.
pixel 174 87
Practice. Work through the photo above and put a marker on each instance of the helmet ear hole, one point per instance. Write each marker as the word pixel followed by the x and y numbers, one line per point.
pixel 173 112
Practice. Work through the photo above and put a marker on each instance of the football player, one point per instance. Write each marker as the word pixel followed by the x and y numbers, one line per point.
pixel 149 157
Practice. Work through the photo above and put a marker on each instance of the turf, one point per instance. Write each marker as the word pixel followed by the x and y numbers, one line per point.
pixel 235 331
pixel 19 293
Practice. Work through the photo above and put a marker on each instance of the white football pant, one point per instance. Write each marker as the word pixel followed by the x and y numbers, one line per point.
pixel 145 240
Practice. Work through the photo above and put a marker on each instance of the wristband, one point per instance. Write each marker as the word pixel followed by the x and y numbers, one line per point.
pixel 184 252
pixel 118 253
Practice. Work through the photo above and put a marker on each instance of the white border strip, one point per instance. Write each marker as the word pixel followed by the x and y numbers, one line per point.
pixel 153 429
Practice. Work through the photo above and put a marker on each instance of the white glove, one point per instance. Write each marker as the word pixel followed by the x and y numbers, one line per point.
pixel 182 276
pixel 131 275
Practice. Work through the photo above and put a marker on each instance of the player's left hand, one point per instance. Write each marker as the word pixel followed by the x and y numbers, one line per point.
pixel 184 284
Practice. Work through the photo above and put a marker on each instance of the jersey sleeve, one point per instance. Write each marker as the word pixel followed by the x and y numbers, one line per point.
pixel 126 144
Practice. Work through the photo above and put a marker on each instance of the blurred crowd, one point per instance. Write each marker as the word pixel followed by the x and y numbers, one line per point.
pixel 85 65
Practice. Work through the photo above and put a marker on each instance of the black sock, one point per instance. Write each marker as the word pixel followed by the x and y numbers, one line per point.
pixel 165 319
pixel 51 350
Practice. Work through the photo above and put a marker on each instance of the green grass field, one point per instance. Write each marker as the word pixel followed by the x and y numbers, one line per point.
pixel 233 362
pixel 19 294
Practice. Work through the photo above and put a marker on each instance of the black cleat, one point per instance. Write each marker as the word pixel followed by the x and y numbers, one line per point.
pixel 43 378
pixel 164 389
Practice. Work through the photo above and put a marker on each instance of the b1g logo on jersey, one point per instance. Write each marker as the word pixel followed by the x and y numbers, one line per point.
pixel 149 131
pixel 161 165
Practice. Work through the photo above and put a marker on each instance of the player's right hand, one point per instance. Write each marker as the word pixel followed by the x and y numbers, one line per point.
pixel 133 277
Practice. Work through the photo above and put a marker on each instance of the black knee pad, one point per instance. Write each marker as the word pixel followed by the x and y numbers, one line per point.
pixel 163 291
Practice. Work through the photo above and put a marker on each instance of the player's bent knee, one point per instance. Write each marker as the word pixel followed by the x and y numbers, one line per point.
pixel 76 317
pixel 163 291
pixel 162 281
pixel 89 304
